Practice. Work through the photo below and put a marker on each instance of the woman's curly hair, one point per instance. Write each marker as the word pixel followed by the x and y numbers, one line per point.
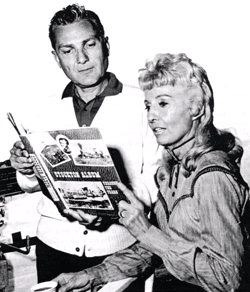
pixel 170 69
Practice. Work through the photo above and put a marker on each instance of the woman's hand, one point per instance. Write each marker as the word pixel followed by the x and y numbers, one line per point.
pixel 132 215
pixel 79 281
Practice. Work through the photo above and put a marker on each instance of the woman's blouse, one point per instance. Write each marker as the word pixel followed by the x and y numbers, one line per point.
pixel 201 232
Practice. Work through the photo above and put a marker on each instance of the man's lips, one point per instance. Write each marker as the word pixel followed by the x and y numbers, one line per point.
pixel 85 70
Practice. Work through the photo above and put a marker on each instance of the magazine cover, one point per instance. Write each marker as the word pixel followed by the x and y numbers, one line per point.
pixel 76 168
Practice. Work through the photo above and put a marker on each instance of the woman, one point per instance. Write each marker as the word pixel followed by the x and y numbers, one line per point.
pixel 201 232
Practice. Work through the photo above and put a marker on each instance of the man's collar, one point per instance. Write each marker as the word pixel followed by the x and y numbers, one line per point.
pixel 114 87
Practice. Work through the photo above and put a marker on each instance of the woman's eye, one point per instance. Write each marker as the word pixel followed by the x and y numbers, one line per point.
pixel 147 107
pixel 162 104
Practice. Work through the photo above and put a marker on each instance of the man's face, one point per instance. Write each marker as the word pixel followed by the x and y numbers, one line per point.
pixel 79 53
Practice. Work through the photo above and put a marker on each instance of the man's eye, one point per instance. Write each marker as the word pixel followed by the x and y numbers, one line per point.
pixel 90 44
pixel 67 51
pixel 147 108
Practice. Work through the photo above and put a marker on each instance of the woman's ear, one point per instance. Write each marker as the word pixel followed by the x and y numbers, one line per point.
pixel 196 111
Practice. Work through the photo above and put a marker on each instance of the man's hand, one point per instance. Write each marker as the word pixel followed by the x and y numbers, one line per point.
pixel 20 159
pixel 132 215
pixel 79 281
pixel 85 219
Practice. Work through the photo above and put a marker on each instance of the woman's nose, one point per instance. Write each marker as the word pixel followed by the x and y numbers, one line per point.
pixel 152 116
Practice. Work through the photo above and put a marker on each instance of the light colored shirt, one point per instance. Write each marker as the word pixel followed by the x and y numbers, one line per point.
pixel 122 122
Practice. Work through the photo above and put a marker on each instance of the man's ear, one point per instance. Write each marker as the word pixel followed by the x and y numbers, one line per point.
pixel 56 58
pixel 106 46
pixel 197 111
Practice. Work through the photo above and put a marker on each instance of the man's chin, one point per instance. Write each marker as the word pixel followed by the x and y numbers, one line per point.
pixel 90 82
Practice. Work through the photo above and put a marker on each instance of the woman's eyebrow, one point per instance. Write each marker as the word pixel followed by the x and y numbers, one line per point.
pixel 162 95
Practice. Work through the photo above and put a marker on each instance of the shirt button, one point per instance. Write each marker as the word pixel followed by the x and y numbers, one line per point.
pixel 173 194
pixel 77 249
pixel 85 232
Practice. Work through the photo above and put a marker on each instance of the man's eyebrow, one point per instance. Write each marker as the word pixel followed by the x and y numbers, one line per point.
pixel 89 39
pixel 65 46
pixel 71 46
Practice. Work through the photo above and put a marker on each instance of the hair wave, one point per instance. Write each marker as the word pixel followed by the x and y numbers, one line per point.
pixel 75 13
pixel 170 69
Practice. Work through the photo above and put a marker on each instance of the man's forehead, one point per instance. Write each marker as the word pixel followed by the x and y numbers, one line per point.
pixel 81 29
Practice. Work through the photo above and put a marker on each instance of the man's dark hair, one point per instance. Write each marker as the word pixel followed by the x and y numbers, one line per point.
pixel 74 13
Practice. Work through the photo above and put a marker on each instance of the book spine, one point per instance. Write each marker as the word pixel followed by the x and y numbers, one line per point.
pixel 40 170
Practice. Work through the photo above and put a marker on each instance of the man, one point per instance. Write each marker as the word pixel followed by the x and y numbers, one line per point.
pixel 93 97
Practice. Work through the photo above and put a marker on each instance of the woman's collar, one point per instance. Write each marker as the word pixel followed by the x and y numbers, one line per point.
pixel 180 150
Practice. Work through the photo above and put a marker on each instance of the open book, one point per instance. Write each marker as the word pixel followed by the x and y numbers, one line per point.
pixel 76 168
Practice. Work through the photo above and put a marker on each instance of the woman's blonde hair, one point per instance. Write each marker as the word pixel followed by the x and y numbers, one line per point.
pixel 170 69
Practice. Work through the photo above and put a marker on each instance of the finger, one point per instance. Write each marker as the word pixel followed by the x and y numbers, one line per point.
pixel 26 171
pixel 73 214
pixel 122 213
pixel 122 205
pixel 61 279
pixel 121 221
pixel 25 154
pixel 126 209
pixel 128 193
pixel 16 152
pixel 19 144
pixel 98 221
pixel 21 164
pixel 76 283
pixel 87 217
pixel 64 277
pixel 82 217
pixel 24 161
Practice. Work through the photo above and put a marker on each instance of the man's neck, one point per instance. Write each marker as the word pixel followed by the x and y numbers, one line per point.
pixel 89 93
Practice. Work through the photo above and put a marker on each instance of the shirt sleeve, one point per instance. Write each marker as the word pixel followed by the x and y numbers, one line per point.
pixel 28 183
pixel 215 261
pixel 131 262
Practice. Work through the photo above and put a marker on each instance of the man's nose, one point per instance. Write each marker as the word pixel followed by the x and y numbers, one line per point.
pixel 82 57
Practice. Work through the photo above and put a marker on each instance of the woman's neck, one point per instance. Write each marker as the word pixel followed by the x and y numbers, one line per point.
pixel 179 151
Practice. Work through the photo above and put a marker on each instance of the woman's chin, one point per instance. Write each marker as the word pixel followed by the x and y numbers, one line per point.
pixel 162 142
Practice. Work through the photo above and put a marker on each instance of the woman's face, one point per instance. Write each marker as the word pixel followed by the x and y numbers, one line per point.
pixel 169 114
